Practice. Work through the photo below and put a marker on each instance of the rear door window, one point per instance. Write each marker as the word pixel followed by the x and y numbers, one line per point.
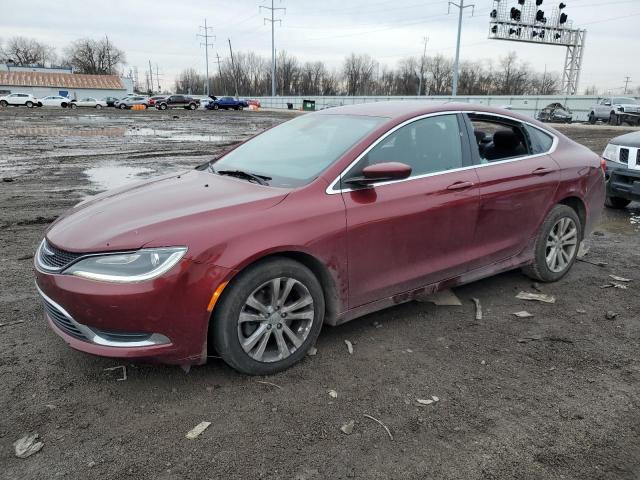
pixel 541 142
pixel 498 138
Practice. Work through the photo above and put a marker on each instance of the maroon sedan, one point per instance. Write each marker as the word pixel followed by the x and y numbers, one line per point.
pixel 320 220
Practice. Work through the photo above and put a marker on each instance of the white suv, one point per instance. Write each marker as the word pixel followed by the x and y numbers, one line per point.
pixel 17 99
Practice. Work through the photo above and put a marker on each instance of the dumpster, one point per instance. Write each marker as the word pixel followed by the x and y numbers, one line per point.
pixel 308 105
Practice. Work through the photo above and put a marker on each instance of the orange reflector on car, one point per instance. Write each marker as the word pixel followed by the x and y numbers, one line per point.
pixel 215 296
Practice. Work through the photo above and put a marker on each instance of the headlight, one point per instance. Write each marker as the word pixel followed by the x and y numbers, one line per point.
pixel 138 266
pixel 611 153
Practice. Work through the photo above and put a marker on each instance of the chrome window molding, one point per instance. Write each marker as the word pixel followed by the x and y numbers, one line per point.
pixel 332 189
pixel 92 337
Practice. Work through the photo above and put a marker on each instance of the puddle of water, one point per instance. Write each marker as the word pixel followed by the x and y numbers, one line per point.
pixel 177 137
pixel 111 175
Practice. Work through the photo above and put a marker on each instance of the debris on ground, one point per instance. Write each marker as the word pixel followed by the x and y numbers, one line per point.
pixel 25 257
pixel 377 324
pixel 347 428
pixel 8 324
pixel 333 394
pixel 313 351
pixel 269 383
pixel 27 446
pixel 349 346
pixel 483 362
pixel 124 372
pixel 539 297
pixel 580 310
pixel 620 279
pixel 523 314
pixel 597 263
pixel 536 286
pixel 197 430
pixel 443 298
pixel 478 308
pixel 381 424
pixel 610 315
pixel 583 249
pixel 424 401
pixel 7 179
pixel 621 286
pixel 530 338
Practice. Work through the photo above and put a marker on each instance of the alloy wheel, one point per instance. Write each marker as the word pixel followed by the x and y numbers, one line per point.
pixel 276 319
pixel 562 243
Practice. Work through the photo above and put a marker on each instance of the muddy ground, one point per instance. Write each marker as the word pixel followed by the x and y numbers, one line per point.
pixel 561 403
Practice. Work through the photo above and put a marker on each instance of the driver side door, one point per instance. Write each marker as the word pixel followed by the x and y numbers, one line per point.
pixel 406 234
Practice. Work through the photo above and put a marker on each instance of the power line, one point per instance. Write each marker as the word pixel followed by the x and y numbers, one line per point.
pixel 456 69
pixel 206 45
pixel 273 21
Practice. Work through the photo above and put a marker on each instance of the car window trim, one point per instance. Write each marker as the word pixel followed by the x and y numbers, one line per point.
pixel 330 190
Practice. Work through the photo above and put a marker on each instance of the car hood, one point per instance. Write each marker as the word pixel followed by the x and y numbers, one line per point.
pixel 163 211
pixel 628 140
pixel 630 106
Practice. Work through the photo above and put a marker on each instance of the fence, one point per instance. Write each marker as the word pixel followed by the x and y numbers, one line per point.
pixel 525 104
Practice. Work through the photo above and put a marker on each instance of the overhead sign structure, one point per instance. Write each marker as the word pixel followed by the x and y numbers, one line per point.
pixel 528 21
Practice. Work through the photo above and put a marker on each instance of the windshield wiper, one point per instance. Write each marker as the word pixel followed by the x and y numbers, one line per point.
pixel 261 179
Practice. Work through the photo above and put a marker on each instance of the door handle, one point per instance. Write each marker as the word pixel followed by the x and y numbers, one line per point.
pixel 460 185
pixel 542 171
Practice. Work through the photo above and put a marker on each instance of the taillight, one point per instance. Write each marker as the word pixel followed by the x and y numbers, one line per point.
pixel 603 165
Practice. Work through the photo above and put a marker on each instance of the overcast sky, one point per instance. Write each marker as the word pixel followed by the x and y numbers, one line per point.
pixel 164 31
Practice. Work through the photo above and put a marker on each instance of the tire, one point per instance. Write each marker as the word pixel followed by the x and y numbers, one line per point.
pixel 225 334
pixel 236 108
pixel 541 269
pixel 216 106
pixel 240 107
pixel 192 106
pixel 63 104
pixel 614 119
pixel 616 202
pixel 29 104
pixel 73 106
pixel 592 118
pixel 122 106
pixel 162 106
pixel 98 107
pixel 4 103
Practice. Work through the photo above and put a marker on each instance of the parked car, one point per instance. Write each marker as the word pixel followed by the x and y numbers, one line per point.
pixel 55 101
pixel 20 99
pixel 555 112
pixel 152 100
pixel 130 101
pixel 178 101
pixel 110 101
pixel 227 103
pixel 622 155
pixel 248 253
pixel 89 102
pixel 616 110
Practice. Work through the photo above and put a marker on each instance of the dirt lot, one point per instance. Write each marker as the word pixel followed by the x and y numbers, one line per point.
pixel 562 402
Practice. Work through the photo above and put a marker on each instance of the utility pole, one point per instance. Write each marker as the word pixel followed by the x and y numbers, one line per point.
pixel 206 45
pixel 222 80
pixel 273 21
pixel 456 69
pixel 233 68
pixel 424 54
pixel 626 84
pixel 158 78
pixel 150 78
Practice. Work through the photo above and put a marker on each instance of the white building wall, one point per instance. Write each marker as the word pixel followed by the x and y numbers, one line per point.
pixel 76 93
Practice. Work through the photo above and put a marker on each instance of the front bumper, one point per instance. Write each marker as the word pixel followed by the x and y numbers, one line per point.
pixel 164 320
pixel 622 182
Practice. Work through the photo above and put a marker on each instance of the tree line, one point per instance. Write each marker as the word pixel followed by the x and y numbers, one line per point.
pixel 361 74
pixel 85 55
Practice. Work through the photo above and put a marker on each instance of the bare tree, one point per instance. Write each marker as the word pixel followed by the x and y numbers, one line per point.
pixel 100 57
pixel 191 82
pixel 27 51
pixel 358 73
pixel 440 75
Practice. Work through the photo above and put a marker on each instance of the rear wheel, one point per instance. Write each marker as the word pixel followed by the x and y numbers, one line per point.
pixel 192 106
pixel 592 118
pixel 73 106
pixel 614 119
pixel 268 317
pixel 98 106
pixel 162 106
pixel 616 202
pixel 29 104
pixel 556 246
pixel 3 103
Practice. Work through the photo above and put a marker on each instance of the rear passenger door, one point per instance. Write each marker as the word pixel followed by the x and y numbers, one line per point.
pixel 517 180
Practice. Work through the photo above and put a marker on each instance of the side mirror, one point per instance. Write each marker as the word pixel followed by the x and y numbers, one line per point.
pixel 381 172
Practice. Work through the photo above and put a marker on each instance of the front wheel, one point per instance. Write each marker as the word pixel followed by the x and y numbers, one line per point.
pixel 3 103
pixel 616 202
pixel 73 106
pixel 268 317
pixel 216 106
pixel 162 106
pixel 192 106
pixel 556 246
pixel 122 106
pixel 29 104
pixel 614 119
pixel 98 107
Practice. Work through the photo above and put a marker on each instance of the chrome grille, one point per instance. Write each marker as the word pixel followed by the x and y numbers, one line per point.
pixel 61 321
pixel 53 258
pixel 624 155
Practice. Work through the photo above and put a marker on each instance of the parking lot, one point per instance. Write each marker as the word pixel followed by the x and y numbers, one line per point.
pixel 552 396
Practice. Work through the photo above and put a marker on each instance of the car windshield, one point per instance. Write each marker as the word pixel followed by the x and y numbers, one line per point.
pixel 297 151
pixel 625 100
